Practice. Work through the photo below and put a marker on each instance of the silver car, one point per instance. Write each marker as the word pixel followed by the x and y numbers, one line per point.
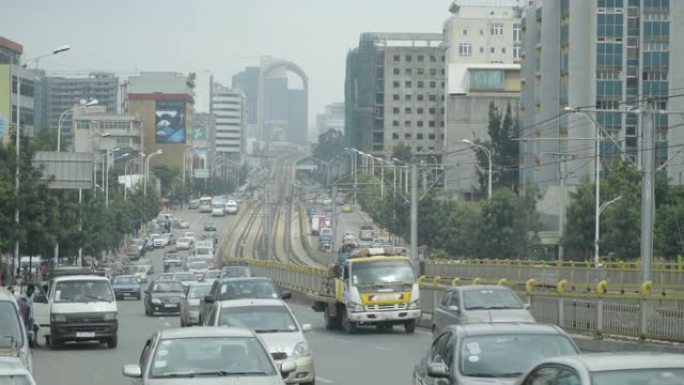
pixel 608 369
pixel 275 323
pixel 189 306
pixel 492 353
pixel 206 356
pixel 12 371
pixel 479 303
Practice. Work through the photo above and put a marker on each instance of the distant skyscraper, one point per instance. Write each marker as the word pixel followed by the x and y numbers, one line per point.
pixel 331 119
pixel 228 105
pixel 10 56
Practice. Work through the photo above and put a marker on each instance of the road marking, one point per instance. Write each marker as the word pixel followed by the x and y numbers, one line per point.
pixel 324 380
pixel 197 220
pixel 423 333
pixel 341 340
pixel 383 348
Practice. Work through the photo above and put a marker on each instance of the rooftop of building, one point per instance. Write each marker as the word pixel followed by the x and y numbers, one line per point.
pixel 11 45
pixel 403 38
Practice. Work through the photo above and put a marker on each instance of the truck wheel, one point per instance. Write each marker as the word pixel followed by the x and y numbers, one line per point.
pixel 410 326
pixel 348 326
pixel 54 344
pixel 331 321
pixel 113 342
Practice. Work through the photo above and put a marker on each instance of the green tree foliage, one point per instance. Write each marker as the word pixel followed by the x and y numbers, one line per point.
pixel 502 128
pixel 330 145
pixel 402 152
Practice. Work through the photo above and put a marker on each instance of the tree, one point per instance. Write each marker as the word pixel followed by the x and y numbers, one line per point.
pixel 402 152
pixel 504 151
pixel 507 221
pixel 330 145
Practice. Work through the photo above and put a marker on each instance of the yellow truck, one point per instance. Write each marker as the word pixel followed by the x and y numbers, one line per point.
pixel 373 286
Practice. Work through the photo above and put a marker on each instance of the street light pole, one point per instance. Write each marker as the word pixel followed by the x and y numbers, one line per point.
pixel 489 158
pixel 147 169
pixel 63 115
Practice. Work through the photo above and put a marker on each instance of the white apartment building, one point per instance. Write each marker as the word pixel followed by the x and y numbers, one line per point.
pixel 229 107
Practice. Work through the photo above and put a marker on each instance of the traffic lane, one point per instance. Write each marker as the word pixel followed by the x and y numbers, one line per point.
pixel 366 357
pixel 92 363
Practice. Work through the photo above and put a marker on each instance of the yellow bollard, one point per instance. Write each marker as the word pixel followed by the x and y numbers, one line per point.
pixel 502 282
pixel 529 285
pixel 602 287
pixel 455 281
pixel 476 281
pixel 436 281
pixel 646 288
pixel 421 281
pixel 560 287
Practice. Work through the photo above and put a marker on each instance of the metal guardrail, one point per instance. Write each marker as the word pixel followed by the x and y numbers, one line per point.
pixel 620 275
pixel 599 312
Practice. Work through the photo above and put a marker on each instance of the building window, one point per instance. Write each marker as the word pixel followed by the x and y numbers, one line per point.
pixel 395 135
pixel 395 97
pixel 395 84
pixel 517 32
pixel 408 71
pixel 419 123
pixel 432 110
pixel 408 110
pixel 421 58
pixel 397 58
pixel 441 136
pixel 433 97
pixel 433 58
pixel 433 84
pixel 516 53
pixel 407 136
pixel 408 84
pixel 441 123
pixel 408 123
pixel 431 123
pixel 465 49
pixel 395 123
pixel 419 97
pixel 496 29
pixel 408 58
pixel 503 50
pixel 465 32
pixel 408 97
pixel 396 71
pixel 492 49
pixel 481 49
pixel 420 110
pixel 421 71
pixel 433 71
pixel 419 136
pixel 431 136
pixel 421 84
pixel 395 110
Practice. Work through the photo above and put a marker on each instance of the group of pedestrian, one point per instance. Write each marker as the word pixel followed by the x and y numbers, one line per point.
pixel 25 302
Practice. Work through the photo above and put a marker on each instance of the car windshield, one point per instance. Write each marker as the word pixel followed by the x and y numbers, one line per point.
pixel 257 288
pixel 183 240
pixel 199 291
pixel 490 299
pixel 382 272
pixel 126 281
pixel 83 291
pixel 10 332
pixel 236 272
pixel 655 376
pixel 262 319
pixel 199 265
pixel 211 357
pixel 163 287
pixel 509 355
pixel 18 379
pixel 203 251
pixel 184 277
pixel 212 274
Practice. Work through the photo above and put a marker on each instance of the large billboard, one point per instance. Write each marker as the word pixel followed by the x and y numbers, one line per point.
pixel 170 121
pixel 66 170
pixel 5 101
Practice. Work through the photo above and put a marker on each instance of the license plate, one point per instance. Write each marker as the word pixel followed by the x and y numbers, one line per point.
pixel 385 297
pixel 85 334
pixel 170 305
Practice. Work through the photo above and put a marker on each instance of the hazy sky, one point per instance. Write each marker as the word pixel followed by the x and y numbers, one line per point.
pixel 220 36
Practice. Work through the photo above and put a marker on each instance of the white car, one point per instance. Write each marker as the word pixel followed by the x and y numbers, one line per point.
pixel 277 326
pixel 12 371
pixel 161 240
pixel 199 268
pixel 205 252
pixel 349 237
pixel 184 243
pixel 231 207
pixel 191 235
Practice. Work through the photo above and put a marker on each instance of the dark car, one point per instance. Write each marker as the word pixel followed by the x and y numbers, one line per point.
pixel 210 226
pixel 126 286
pixel 163 296
pixel 240 288
pixel 496 353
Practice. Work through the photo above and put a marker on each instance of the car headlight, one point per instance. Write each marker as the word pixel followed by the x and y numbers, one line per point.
pixel 355 307
pixel 58 318
pixel 110 317
pixel 301 350
pixel 156 300
pixel 414 305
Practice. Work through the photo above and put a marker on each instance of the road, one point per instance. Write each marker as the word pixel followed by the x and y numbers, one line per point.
pixel 363 358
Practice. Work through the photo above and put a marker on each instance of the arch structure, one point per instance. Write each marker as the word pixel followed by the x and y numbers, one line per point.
pixel 266 70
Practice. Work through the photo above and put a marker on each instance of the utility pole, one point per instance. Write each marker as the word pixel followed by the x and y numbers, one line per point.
pixel 334 218
pixel 647 190
pixel 414 211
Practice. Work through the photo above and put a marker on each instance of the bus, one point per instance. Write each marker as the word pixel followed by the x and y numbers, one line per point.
pixel 205 205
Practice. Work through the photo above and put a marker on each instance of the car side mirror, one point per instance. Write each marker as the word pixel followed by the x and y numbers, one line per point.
pixel 208 299
pixel 287 367
pixel 132 371
pixel 286 295
pixel 438 370
pixel 454 308
pixel 306 328
pixel 40 298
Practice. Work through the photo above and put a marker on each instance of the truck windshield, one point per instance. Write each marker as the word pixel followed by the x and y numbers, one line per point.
pixel 382 272
pixel 83 291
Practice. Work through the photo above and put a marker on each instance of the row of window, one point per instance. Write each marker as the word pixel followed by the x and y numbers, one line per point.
pixel 419 71
pixel 419 58
pixel 466 49
pixel 497 29
pixel 419 123
pixel 419 136
pixel 419 97
pixel 419 84
pixel 419 110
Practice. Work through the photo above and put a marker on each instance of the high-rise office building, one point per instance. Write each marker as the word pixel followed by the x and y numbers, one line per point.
pixel 64 93
pixel 248 82
pixel 483 41
pixel 228 105
pixel 608 55
pixel 10 71
pixel 394 93
pixel 331 119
